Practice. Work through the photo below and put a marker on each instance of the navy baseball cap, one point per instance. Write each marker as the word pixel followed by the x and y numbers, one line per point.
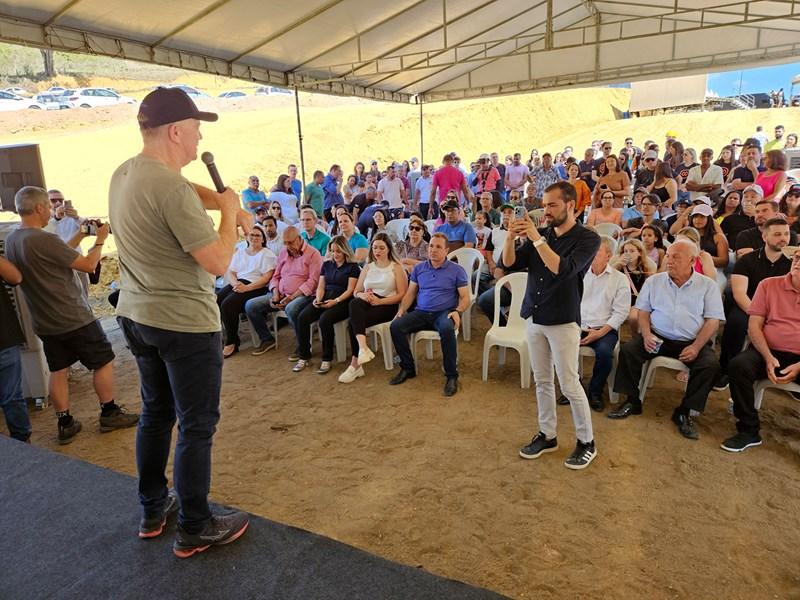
pixel 169 105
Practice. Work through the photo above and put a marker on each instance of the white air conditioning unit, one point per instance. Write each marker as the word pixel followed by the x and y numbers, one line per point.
pixel 35 374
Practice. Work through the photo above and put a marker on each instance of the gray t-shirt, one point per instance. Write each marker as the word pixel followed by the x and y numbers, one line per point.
pixel 52 288
pixel 157 219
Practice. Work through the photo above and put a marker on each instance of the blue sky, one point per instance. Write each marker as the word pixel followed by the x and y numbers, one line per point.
pixel 763 79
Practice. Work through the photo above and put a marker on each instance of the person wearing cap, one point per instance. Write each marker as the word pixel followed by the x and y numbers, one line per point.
pixel 460 233
pixel 753 238
pixel 748 272
pixel 448 178
pixel 541 178
pixel 252 197
pixel 682 210
pixel 374 171
pixel 705 178
pixel 774 353
pixel 169 255
pixel 646 174
pixel 712 240
pixel 747 173
pixel 487 177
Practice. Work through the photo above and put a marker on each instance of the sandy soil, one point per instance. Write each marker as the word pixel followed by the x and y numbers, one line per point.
pixel 437 483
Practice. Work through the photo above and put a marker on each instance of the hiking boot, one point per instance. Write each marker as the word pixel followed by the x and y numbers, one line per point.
pixel 119 418
pixel 539 445
pixel 220 530
pixel 153 526
pixel 582 456
pixel 67 433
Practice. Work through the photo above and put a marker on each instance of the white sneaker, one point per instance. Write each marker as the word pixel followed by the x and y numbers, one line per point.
pixel 364 356
pixel 351 374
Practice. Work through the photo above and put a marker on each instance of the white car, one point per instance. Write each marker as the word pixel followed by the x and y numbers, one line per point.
pixel 9 101
pixel 233 94
pixel 190 91
pixel 268 90
pixel 56 90
pixel 92 97
pixel 53 101
pixel 17 91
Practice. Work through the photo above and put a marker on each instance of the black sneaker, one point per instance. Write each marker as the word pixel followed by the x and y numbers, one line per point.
pixel 741 442
pixel 68 433
pixel 721 383
pixel 582 456
pixel 220 530
pixel 562 400
pixel 686 426
pixel 119 418
pixel 152 527
pixel 539 445
pixel 263 347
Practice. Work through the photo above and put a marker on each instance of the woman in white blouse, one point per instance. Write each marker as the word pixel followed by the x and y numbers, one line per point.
pixel 251 269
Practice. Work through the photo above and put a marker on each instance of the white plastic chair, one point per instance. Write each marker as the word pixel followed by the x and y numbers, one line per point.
pixel 340 339
pixel 382 330
pixel 612 230
pixel 398 227
pixel 431 225
pixel 764 384
pixel 467 258
pixel 282 314
pixel 512 335
pixel 649 371
pixel 536 215
pixel 587 351
pixel 427 336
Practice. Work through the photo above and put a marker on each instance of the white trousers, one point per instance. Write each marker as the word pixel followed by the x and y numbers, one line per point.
pixel 558 346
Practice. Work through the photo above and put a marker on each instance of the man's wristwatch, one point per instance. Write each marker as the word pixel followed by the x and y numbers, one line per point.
pixel 539 242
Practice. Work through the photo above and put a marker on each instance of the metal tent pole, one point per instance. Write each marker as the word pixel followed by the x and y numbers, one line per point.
pixel 300 139
pixel 421 136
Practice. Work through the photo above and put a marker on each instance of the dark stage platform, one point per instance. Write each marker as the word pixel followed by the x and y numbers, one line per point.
pixel 68 530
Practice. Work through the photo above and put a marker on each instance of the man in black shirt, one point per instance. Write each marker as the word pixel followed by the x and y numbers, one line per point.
pixel 752 239
pixel 746 174
pixel 11 339
pixel 646 176
pixel 557 260
pixel 586 166
pixel 748 272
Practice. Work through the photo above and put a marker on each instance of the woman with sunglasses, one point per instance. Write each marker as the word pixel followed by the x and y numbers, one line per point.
pixel 251 269
pixel 282 193
pixel 790 206
pixel 414 249
pixel 276 210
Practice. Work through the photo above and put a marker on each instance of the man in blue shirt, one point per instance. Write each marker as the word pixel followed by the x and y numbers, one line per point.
pixel 297 185
pixel 458 231
pixel 441 290
pixel 333 196
pixel 252 197
pixel 679 314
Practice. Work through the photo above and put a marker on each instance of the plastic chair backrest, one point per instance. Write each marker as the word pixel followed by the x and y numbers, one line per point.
pixel 467 257
pixel 612 230
pixel 536 215
pixel 519 283
pixel 399 227
pixel 431 225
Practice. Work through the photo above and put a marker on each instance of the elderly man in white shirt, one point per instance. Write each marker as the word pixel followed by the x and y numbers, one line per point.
pixel 605 306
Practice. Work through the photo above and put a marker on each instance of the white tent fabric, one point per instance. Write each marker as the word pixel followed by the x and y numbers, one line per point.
pixel 418 50
pixel 667 93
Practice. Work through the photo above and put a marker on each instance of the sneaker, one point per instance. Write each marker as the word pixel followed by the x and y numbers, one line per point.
pixel 539 445
pixel 582 456
pixel 351 374
pixel 741 442
pixel 264 347
pixel 220 530
pixel 721 383
pixel 119 418
pixel 324 367
pixel 364 356
pixel 154 526
pixel 301 364
pixel 68 433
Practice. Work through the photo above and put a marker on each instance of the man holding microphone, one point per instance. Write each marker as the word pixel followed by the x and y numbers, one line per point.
pixel 557 260
pixel 169 254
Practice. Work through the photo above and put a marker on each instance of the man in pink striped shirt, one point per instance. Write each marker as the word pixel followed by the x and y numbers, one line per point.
pixel 292 288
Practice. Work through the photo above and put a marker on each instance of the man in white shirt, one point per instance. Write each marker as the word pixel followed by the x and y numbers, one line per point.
pixel 391 189
pixel 705 178
pixel 422 191
pixel 516 175
pixel 604 308
pixel 66 224
pixel 274 235
pixel 413 174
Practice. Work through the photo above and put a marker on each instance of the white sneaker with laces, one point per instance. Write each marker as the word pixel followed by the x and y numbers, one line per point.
pixel 351 374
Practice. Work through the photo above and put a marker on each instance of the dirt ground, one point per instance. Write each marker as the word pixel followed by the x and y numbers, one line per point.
pixel 433 482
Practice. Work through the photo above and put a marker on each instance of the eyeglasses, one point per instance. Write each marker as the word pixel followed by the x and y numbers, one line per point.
pixel 649 160
pixel 606 147
pixel 414 228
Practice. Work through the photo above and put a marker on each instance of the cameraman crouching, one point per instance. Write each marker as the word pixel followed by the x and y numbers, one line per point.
pixel 61 314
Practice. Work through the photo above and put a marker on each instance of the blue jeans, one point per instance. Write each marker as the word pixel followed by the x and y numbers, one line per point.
pixel 181 374
pixel 419 320
pixel 258 310
pixel 486 304
pixel 603 362
pixel 11 401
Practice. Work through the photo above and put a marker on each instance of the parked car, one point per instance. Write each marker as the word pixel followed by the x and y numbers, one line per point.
pixel 56 90
pixel 53 101
pixel 233 94
pixel 92 97
pixel 9 101
pixel 18 91
pixel 268 90
pixel 191 91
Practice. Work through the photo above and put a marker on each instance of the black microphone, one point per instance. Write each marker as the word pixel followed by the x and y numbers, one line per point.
pixel 208 158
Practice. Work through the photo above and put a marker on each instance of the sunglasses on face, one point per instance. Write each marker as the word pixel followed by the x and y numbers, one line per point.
pixel 414 228
pixel 649 160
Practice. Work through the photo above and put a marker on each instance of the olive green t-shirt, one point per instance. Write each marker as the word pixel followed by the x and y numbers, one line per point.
pixel 157 219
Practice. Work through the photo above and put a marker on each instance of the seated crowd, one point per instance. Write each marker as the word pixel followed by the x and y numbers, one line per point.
pixel 686 246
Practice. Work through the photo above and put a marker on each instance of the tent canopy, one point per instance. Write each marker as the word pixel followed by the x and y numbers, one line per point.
pixel 418 50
